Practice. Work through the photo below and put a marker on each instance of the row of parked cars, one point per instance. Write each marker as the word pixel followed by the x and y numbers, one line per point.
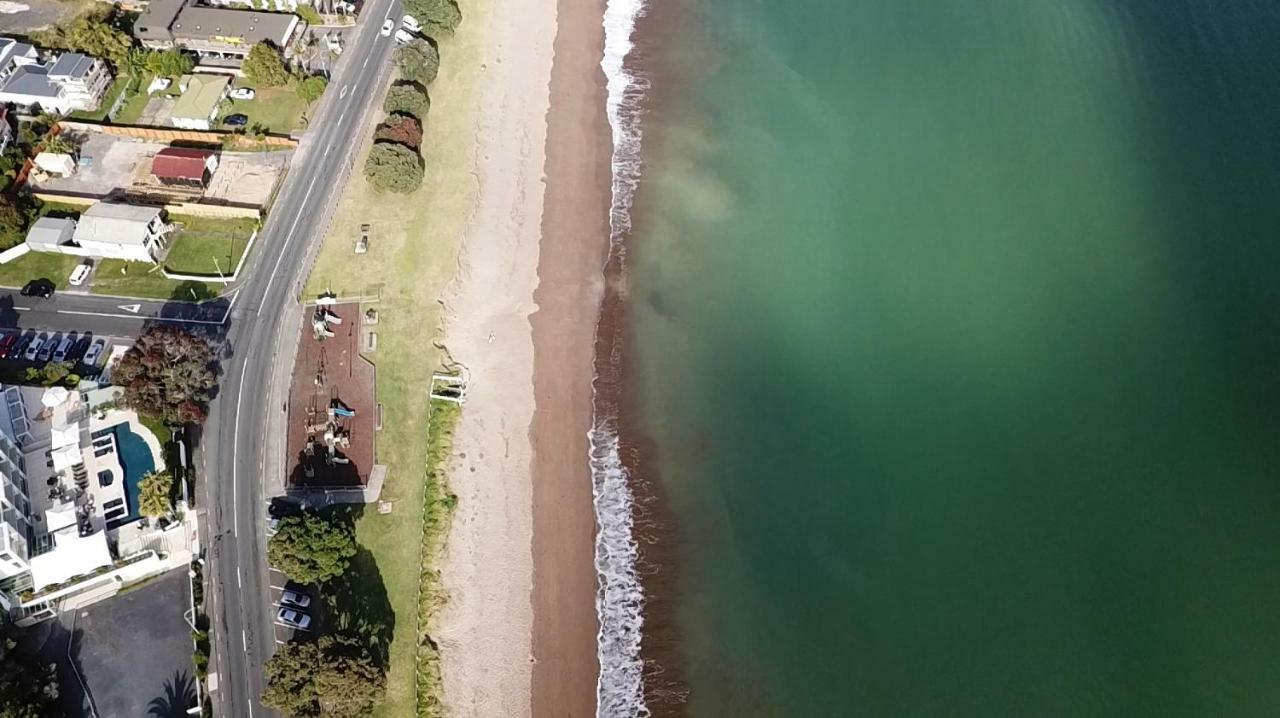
pixel 291 609
pixel 19 345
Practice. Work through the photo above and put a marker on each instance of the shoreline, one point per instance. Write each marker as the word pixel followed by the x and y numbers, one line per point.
pixel 575 234
pixel 485 628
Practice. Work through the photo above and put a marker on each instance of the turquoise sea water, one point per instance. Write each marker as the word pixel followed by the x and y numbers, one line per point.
pixel 958 336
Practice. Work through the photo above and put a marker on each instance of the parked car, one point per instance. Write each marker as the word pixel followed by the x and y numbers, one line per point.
pixel 387 26
pixel 403 37
pixel 236 120
pixel 81 272
pixel 46 349
pixel 42 288
pixel 94 352
pixel 293 598
pixel 20 346
pixel 64 346
pixel 6 344
pixel 293 619
pixel 80 347
pixel 243 93
pixel 33 349
pixel 410 23
pixel 281 507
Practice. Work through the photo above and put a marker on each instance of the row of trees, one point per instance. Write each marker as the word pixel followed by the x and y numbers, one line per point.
pixel 335 675
pixel 27 689
pixel 395 161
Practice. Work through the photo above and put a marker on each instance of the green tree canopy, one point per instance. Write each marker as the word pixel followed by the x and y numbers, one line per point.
pixel 13 224
pixel 264 66
pixel 419 61
pixel 438 18
pixel 311 88
pixel 333 676
pixel 170 62
pixel 155 493
pixel 168 374
pixel 92 34
pixel 310 548
pixel 393 167
pixel 60 145
pixel 27 689
pixel 407 98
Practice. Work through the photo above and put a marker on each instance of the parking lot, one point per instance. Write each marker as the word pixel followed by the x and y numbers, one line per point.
pixel 85 351
pixel 286 594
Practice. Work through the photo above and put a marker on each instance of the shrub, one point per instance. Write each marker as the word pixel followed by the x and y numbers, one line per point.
pixel 265 66
pixel 311 88
pixel 170 62
pixel 438 18
pixel 418 61
pixel 407 98
pixel 394 168
pixel 404 129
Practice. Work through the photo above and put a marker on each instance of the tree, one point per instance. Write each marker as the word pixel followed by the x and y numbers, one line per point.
pixel 407 98
pixel 170 62
pixel 309 15
pixel 168 374
pixel 94 35
pixel 311 88
pixel 393 168
pixel 13 224
pixel 154 494
pixel 418 61
pixel 60 145
pixel 265 66
pixel 27 689
pixel 332 676
pixel 404 129
pixel 309 548
pixel 438 18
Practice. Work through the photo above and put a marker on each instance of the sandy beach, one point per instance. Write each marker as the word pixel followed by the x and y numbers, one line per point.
pixel 517 635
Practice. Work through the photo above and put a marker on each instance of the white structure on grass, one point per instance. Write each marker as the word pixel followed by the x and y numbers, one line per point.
pixel 110 230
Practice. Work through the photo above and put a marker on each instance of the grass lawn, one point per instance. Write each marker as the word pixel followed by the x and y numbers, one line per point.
pixel 208 246
pixel 37 265
pixel 139 279
pixel 279 109
pixel 411 258
pixel 131 110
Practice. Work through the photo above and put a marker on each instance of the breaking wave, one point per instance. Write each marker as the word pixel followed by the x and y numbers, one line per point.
pixel 619 596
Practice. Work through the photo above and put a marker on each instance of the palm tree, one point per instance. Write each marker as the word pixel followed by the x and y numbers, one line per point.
pixel 155 494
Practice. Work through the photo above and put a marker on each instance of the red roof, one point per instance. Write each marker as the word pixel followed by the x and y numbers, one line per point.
pixel 180 163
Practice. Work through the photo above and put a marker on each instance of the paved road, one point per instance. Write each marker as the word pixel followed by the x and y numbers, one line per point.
pixel 235 447
pixel 67 311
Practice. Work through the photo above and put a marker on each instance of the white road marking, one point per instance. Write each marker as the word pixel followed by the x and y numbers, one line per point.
pixel 244 640
pixel 288 238
pixel 235 451
pixel 342 115
pixel 343 93
pixel 250 702
pixel 23 309
pixel 130 307
pixel 239 579
pixel 366 61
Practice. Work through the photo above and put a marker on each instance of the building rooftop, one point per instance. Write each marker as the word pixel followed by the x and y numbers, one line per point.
pixel 116 223
pixel 153 24
pixel 201 98
pixel 71 64
pixel 33 81
pixel 181 163
pixel 49 231
pixel 232 27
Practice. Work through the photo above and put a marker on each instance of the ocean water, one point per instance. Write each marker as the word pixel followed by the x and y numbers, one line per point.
pixel 954 341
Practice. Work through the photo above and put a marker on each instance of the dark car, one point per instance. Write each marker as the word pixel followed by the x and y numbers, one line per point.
pixel 6 344
pixel 42 288
pixel 20 347
pixel 236 120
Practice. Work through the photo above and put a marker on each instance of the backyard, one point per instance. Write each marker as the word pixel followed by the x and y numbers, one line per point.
pixel 38 265
pixel 278 109
pixel 201 245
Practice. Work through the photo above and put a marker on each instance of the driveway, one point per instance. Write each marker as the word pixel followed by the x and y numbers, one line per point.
pixel 133 651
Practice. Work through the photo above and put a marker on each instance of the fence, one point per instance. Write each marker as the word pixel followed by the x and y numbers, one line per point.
pixel 167 135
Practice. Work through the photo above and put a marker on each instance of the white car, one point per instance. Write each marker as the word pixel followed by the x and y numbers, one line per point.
pixel 410 23
pixel 80 273
pixel 95 351
pixel 293 598
pixel 33 349
pixel 243 93
pixel 403 37
pixel 387 26
pixel 293 619
pixel 160 84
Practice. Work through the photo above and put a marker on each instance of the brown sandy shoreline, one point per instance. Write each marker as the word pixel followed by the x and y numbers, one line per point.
pixel 575 234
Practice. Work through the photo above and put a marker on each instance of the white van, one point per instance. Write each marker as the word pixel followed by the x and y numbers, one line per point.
pixel 403 37
pixel 410 23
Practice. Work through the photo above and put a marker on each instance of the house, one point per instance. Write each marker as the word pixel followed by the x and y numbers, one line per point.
pixel 184 166
pixel 216 32
pixel 70 81
pixel 121 231
pixel 197 108
pixel 51 234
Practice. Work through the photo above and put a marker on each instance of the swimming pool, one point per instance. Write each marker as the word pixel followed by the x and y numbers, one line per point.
pixel 136 460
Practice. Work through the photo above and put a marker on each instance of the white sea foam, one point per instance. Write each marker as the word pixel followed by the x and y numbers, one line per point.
pixel 619 597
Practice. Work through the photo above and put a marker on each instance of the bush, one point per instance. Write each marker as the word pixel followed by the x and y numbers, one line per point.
pixel 170 62
pixel 308 14
pixel 404 129
pixel 311 88
pixel 407 98
pixel 265 66
pixel 393 168
pixel 418 61
pixel 13 225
